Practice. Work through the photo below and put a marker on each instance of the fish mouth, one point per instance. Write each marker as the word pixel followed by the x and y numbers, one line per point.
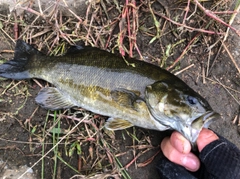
pixel 202 122
pixel 205 120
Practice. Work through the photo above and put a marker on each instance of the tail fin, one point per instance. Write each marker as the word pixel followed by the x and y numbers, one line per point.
pixel 18 67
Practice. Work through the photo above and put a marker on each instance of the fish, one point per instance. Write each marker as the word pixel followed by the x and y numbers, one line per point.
pixel 128 91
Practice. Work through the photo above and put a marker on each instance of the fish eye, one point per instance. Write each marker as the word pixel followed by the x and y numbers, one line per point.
pixel 192 100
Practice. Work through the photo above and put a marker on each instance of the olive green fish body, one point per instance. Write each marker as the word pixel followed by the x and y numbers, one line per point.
pixel 90 78
pixel 129 91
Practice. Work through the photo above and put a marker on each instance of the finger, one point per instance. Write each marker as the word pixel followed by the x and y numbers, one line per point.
pixel 205 137
pixel 180 143
pixel 189 161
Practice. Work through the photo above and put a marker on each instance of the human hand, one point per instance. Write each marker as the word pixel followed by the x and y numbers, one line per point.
pixel 178 149
pixel 219 157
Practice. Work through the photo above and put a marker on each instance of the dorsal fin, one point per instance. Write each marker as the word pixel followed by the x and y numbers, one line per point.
pixel 79 48
pixel 75 49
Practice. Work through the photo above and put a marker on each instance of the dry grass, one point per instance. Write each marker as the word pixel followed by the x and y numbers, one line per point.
pixel 112 26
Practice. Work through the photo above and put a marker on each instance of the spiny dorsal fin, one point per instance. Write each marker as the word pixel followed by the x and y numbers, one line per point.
pixel 75 49
pixel 78 49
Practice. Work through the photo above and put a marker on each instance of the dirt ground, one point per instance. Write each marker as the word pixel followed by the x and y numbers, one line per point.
pixel 22 121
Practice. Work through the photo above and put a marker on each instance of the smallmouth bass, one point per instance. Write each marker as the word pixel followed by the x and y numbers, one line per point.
pixel 129 91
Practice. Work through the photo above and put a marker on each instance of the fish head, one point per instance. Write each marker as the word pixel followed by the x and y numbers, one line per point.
pixel 177 106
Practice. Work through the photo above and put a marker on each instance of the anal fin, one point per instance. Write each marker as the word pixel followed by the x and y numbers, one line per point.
pixel 117 124
pixel 53 99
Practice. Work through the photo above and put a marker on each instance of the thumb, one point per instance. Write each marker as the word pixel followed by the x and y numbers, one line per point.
pixel 205 137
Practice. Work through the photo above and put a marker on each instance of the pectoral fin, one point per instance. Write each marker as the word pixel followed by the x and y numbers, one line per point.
pixel 117 124
pixel 124 97
pixel 53 99
pixel 141 107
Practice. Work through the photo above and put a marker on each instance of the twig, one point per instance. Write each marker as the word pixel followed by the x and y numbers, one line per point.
pixel 8 35
pixel 148 161
pixel 235 119
pixel 231 21
pixel 188 27
pixel 39 6
pixel 236 91
pixel 203 75
pixel 39 84
pixel 54 146
pixel 135 158
pixel 187 10
pixel 184 69
pixel 227 90
pixel 214 16
pixel 231 57
pixel 184 51
pixel 225 38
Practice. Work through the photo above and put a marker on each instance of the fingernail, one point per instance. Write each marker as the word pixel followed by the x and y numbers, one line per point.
pixel 190 163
